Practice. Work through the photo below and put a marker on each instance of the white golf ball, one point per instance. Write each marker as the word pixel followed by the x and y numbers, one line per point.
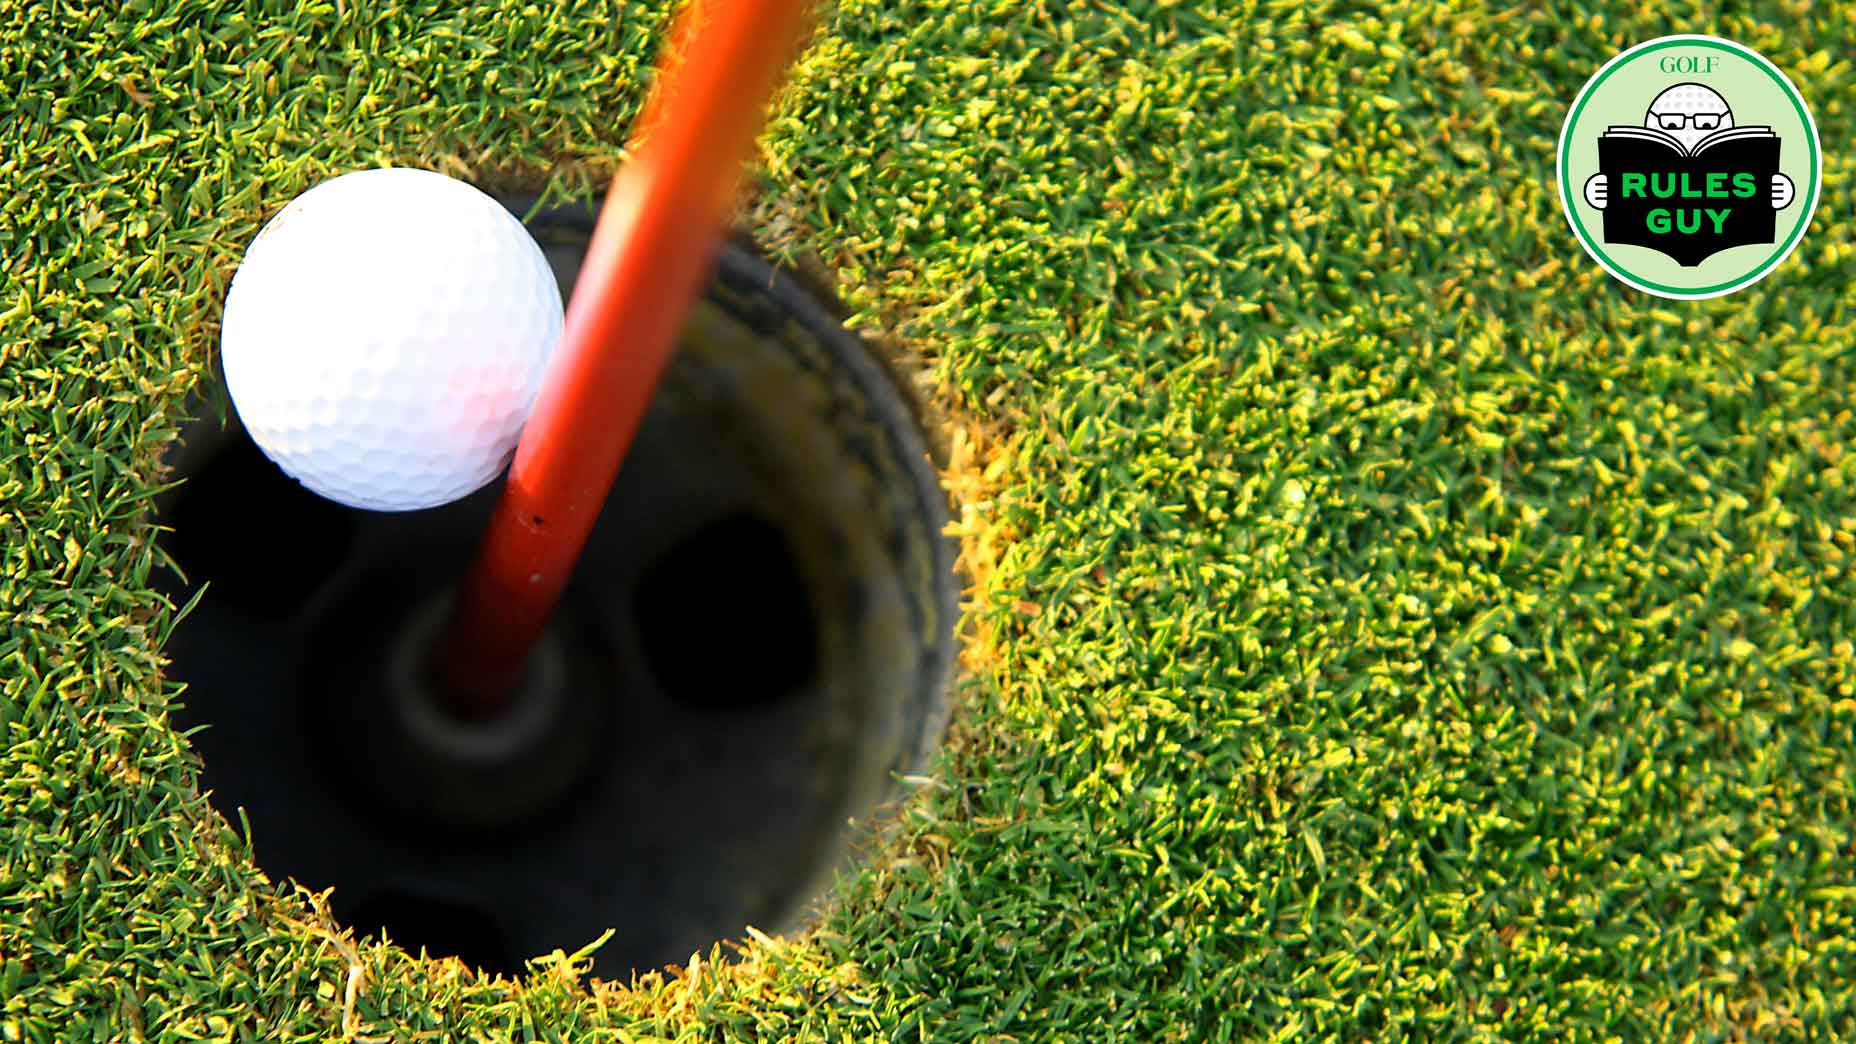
pixel 385 336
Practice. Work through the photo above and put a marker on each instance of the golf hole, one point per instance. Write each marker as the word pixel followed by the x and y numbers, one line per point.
pixel 756 644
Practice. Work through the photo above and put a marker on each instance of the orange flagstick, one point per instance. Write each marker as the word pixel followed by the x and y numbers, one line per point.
pixel 650 253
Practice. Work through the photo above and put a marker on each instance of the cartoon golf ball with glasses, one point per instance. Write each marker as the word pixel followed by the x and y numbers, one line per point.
pixel 1690 113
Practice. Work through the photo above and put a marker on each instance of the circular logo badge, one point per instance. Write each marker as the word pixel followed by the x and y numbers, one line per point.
pixel 1689 166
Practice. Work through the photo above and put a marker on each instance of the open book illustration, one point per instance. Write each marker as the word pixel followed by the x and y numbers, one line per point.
pixel 1689 203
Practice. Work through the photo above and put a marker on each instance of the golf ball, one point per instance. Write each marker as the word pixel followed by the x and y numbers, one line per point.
pixel 385 336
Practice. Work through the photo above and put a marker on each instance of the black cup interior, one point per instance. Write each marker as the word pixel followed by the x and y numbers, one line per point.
pixel 756 643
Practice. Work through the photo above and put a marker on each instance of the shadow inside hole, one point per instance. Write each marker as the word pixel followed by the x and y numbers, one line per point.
pixel 441 927
pixel 732 583
pixel 266 542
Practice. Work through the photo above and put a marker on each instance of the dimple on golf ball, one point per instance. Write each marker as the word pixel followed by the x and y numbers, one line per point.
pixel 385 336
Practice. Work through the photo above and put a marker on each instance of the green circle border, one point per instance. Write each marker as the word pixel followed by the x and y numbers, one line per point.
pixel 1764 268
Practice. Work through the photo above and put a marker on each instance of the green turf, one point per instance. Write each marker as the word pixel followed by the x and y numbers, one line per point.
pixel 1387 626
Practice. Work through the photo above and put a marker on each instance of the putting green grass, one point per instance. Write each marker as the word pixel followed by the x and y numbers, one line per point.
pixel 1384 625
